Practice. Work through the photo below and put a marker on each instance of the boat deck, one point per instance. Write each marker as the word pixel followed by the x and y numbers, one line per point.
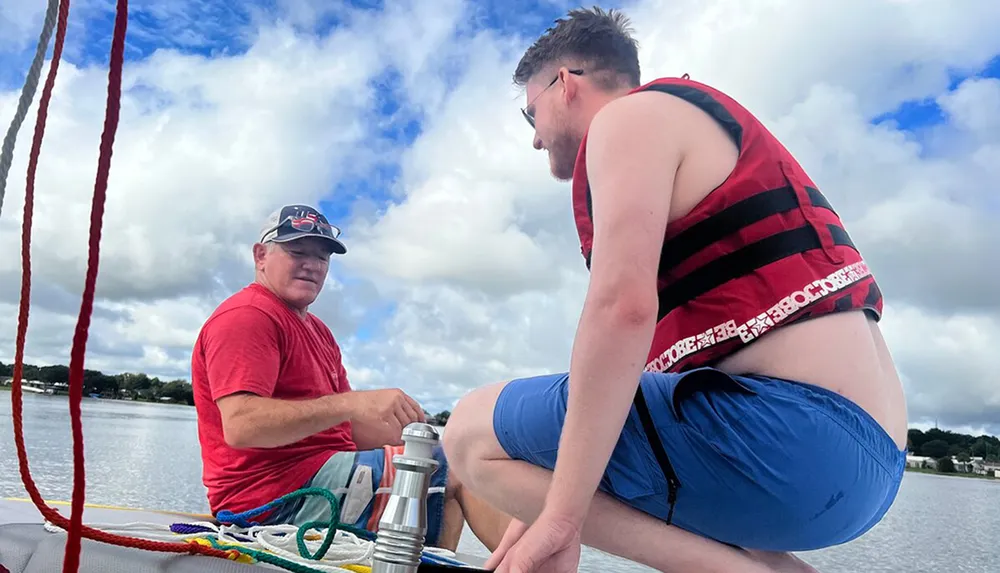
pixel 26 547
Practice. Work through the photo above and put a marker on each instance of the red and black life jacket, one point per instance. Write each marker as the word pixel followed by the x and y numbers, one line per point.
pixel 763 250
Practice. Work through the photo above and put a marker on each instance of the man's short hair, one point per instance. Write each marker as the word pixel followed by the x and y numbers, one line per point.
pixel 598 40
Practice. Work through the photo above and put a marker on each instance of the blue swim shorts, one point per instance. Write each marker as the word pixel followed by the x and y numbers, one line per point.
pixel 340 471
pixel 759 463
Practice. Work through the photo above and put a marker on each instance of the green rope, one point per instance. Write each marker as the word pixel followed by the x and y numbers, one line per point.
pixel 332 525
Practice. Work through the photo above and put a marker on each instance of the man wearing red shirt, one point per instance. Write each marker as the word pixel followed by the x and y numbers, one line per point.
pixel 276 411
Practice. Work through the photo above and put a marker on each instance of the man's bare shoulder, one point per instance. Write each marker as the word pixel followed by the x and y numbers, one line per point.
pixel 631 126
pixel 644 111
pixel 652 109
pixel 680 132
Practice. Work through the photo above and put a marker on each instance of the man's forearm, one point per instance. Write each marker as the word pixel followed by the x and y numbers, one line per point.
pixel 608 358
pixel 258 422
pixel 374 441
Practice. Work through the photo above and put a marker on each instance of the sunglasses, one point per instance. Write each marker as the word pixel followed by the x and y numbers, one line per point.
pixel 529 116
pixel 310 223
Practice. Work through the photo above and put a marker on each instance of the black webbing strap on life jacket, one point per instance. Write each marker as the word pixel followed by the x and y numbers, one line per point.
pixel 657 446
pixel 749 257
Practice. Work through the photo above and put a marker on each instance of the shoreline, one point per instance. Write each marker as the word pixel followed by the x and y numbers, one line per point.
pixel 955 474
pixel 115 400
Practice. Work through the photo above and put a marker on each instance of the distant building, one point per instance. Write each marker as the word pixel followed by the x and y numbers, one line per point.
pixel 989 469
pixel 921 462
pixel 969 467
pixel 976 465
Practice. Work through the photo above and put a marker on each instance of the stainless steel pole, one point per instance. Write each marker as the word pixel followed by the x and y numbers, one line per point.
pixel 403 526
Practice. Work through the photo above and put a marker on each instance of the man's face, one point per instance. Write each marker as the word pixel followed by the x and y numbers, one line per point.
pixel 555 130
pixel 295 270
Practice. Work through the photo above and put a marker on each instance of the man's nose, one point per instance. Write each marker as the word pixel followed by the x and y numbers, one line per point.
pixel 537 143
pixel 313 261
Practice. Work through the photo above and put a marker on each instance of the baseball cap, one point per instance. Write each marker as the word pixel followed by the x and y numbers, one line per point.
pixel 292 222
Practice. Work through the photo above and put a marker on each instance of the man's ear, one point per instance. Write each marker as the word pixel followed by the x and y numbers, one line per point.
pixel 570 87
pixel 259 251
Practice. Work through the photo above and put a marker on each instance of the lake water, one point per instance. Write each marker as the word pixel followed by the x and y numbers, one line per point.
pixel 146 456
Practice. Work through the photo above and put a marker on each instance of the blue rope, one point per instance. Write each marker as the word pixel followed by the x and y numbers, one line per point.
pixel 434 559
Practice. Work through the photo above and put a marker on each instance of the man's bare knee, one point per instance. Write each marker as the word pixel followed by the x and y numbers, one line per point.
pixel 454 485
pixel 469 437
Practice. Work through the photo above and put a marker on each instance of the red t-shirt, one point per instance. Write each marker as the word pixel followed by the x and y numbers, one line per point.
pixel 254 343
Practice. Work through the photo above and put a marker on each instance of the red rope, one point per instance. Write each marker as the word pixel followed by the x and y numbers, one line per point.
pixel 74 526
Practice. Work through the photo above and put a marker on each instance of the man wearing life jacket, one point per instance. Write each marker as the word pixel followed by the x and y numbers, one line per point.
pixel 730 398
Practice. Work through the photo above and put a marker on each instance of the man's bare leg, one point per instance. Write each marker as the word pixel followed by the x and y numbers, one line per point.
pixel 782 562
pixel 519 489
pixel 460 505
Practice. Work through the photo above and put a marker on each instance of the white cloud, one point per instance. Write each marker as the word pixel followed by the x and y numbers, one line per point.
pixel 794 69
pixel 474 265
pixel 949 363
pixel 20 22
pixel 975 107
pixel 772 52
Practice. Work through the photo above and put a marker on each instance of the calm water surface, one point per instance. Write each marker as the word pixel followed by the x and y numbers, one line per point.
pixel 147 456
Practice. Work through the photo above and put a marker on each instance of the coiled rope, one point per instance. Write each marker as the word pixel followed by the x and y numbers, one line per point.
pixel 318 546
pixel 349 553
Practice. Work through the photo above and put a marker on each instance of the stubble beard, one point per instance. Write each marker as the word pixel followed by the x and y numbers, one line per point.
pixel 562 155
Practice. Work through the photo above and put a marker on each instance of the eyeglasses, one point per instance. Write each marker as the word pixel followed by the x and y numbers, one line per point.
pixel 311 223
pixel 530 115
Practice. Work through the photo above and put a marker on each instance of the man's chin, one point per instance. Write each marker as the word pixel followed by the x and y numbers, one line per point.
pixel 558 170
pixel 306 292
pixel 560 173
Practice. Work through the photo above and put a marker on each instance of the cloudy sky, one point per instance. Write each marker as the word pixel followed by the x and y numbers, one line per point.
pixel 401 122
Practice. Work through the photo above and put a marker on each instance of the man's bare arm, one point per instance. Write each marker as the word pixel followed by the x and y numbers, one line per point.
pixel 251 421
pixel 633 153
pixel 378 417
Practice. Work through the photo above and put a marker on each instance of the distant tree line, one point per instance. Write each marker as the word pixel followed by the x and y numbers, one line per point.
pixel 940 444
pixel 128 385
pixel 135 386
pixel 440 419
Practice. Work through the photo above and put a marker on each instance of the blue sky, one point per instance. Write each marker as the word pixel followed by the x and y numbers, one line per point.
pixel 916 115
pixel 212 28
pixel 445 320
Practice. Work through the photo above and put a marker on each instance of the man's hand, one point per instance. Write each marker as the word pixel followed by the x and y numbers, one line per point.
pixel 551 545
pixel 515 529
pixel 379 416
